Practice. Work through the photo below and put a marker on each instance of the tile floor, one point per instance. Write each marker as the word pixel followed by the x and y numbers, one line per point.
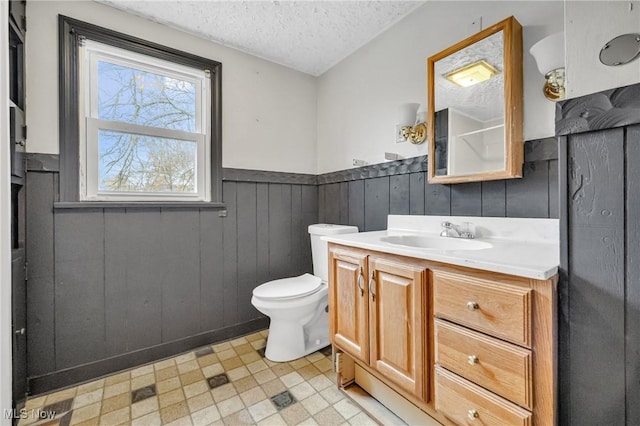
pixel 229 383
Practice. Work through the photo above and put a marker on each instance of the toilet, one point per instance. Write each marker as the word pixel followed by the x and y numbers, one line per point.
pixel 297 306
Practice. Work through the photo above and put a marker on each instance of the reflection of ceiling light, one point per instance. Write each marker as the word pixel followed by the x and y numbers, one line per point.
pixel 471 74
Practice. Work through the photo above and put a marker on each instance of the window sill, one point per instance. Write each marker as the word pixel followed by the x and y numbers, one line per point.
pixel 70 205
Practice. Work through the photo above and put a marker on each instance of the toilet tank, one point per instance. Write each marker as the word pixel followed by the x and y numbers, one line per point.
pixel 319 247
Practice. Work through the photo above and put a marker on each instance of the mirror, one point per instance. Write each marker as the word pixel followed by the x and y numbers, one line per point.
pixel 474 99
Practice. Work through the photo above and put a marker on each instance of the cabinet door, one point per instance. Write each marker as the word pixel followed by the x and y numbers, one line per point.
pixel 348 307
pixel 397 307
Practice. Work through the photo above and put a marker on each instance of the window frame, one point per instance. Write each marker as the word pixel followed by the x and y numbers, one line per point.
pixel 72 32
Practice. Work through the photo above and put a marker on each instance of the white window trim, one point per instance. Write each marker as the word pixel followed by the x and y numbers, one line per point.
pixel 89 54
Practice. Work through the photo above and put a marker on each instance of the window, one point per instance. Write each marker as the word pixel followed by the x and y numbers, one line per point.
pixel 139 122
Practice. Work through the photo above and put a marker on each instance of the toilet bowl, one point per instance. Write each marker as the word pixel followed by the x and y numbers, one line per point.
pixel 297 306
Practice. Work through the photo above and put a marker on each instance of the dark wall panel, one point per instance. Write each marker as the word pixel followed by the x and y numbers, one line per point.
pixel 416 193
pixel 344 203
pixel 116 239
pixel 211 263
pixel 279 230
pixel 466 199
pixel 356 203
pixel 247 249
pixel 437 200
pixel 376 203
pixel 263 273
pixel 399 190
pixel 529 196
pixel 332 203
pixel 494 198
pixel 230 254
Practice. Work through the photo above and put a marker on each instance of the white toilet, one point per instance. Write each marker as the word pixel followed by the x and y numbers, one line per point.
pixel 297 306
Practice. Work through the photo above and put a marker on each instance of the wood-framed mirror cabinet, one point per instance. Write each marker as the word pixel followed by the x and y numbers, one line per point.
pixel 475 107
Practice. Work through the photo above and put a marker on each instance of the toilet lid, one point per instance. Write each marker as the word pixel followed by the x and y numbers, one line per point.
pixel 288 288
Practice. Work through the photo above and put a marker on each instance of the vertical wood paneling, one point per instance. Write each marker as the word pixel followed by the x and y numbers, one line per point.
pixel 466 199
pixel 309 217
pixel 145 271
pixel 322 204
pixel 79 287
pixel 376 203
pixel 596 268
pixel 40 287
pixel 230 255
pixel 494 198
pixel 564 352
pixel 437 200
pixel 298 233
pixel 211 270
pixel 632 279
pixel 247 249
pixel 262 236
pixel 344 203
pixel 116 236
pixel 279 227
pixel 554 196
pixel 181 280
pixel 399 191
pixel 529 196
pixel 332 203
pixel 416 193
pixel 356 204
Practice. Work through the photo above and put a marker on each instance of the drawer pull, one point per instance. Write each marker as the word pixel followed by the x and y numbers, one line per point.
pixel 473 360
pixel 472 306
pixel 361 281
pixel 473 414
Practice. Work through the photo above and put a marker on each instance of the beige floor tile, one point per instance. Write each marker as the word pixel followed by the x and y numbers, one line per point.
pixel 187 366
pixel 281 369
pixel 273 387
pixel 230 406
pixel 151 419
pixel 238 342
pixel 309 371
pixel 362 419
pixel 237 373
pixel 316 356
pixel 85 413
pixel 302 391
pixel 90 387
pixel 142 381
pixel 116 402
pixel 221 347
pixel 168 385
pixel 116 417
pixel 320 382
pixel 33 403
pixel 264 376
pixel 212 370
pixel 166 373
pixel 191 377
pixel 196 388
pixel 203 361
pixel 259 344
pixel 60 395
pixel 117 378
pixel 315 403
pixel 223 392
pixel 244 384
pixel 189 356
pixel 270 363
pixel 174 412
pixel 264 333
pixel 241 418
pixel 274 420
pixel 292 379
pixel 161 365
pixel 231 363
pixel 205 416
pixel 199 402
pixel 169 398
pixel 254 336
pixel 88 398
pixel 309 422
pixel 323 365
pixel 299 363
pixel 329 416
pixel 346 409
pixel 250 357
pixel 294 414
pixel 145 406
pixel 226 354
pixel 261 410
pixel 256 366
pixel 253 396
pixel 91 422
pixel 332 394
pixel 142 371
pixel 244 349
pixel 117 389
pixel 182 421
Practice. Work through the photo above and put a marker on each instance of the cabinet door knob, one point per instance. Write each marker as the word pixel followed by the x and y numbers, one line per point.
pixel 372 286
pixel 472 306
pixel 473 414
pixel 473 359
pixel 361 282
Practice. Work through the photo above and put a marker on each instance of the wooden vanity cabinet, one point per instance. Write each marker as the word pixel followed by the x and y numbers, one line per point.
pixel 463 345
pixel 377 315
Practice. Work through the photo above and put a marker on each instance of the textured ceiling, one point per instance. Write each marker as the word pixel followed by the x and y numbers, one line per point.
pixel 309 36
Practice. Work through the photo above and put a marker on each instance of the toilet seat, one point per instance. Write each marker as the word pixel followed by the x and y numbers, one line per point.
pixel 288 288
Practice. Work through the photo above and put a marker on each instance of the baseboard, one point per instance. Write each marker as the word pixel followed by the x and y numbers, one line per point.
pixel 91 371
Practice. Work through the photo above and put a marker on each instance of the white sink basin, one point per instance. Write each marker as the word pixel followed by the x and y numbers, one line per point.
pixel 436 243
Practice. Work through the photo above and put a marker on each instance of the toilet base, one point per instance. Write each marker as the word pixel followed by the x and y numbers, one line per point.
pixel 287 341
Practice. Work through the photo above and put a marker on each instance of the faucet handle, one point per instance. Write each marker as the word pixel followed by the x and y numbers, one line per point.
pixel 447 225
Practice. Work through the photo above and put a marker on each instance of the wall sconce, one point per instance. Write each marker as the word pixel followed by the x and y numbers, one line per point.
pixel 549 55
pixel 410 127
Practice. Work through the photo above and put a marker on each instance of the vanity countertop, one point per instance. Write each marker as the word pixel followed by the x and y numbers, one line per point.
pixel 522 247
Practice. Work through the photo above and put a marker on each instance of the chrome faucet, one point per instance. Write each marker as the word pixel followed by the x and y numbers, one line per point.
pixel 453 231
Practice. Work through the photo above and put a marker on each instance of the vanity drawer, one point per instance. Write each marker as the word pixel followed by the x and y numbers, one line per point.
pixel 501 367
pixel 468 404
pixel 495 308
